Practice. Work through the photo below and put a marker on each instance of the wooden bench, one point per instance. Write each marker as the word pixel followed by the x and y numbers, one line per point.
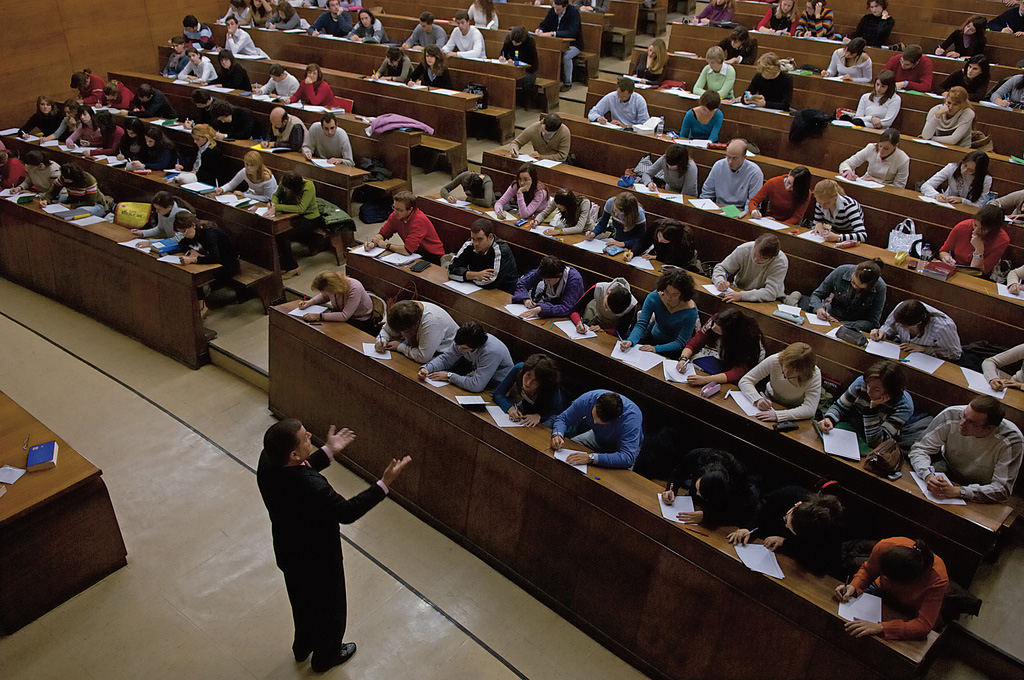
pixel 251 277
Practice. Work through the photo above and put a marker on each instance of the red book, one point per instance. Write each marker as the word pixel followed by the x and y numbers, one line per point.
pixel 939 270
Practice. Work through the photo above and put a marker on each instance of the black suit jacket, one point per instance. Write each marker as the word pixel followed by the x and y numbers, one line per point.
pixel 305 512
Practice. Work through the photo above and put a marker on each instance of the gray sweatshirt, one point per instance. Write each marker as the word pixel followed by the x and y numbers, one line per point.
pixel 759 282
pixel 322 146
pixel 164 225
pixel 434 335
pixel 491 362
pixel 485 201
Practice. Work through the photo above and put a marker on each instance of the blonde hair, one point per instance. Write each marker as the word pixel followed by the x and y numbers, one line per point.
pixel 800 356
pixel 768 62
pixel 331 282
pixel 255 158
pixel 715 53
pixel 660 57
pixel 958 95
pixel 827 189
pixel 206 132
pixel 790 15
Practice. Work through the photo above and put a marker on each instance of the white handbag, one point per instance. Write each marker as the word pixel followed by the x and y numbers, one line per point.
pixel 903 236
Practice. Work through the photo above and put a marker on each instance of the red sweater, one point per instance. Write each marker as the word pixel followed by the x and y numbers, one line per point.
pixel 12 173
pixel 416 232
pixel 123 99
pixel 319 96
pixel 925 595
pixel 768 17
pixel 918 78
pixel 92 94
pixel 958 244
pixel 782 205
pixel 706 335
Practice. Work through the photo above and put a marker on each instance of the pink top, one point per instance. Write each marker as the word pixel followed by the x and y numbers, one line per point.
pixel 321 95
pixel 355 305
pixel 540 200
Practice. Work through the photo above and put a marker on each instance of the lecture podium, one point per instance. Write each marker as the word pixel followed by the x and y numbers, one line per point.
pixel 58 531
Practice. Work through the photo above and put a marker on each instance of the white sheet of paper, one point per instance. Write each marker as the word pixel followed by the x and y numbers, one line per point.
pixel 55 208
pixel 133 243
pixel 643 189
pixel 814 320
pixel 842 443
pixel 312 309
pixel 929 199
pixel 464 287
pixel 594 246
pixel 523 158
pixel 399 260
pixel 548 163
pixel 758 558
pixel 499 417
pixel 89 219
pixel 704 204
pixel 370 350
pixel 494 216
pixel 197 186
pixel 811 235
pixel 883 348
pixel 436 383
pixel 540 229
pixel 790 309
pixel 516 308
pixel 8 473
pixel 360 250
pixel 52 142
pixel 668 366
pixel 976 381
pixel 569 328
pixel 635 356
pixel 769 223
pixel 713 290
pixel 323 163
pixel 470 400
pixel 262 211
pixel 1004 291
pixel 562 454
pixel 679 504
pixel 458 203
pixel 170 259
pixel 230 199
pixel 866 607
pixel 745 404
pixel 641 263
pixel 840 123
pixel 833 333
pixel 928 494
pixel 9 131
pixel 924 362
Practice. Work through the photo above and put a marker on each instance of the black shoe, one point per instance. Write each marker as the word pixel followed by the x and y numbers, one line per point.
pixel 301 653
pixel 348 650
pixel 565 87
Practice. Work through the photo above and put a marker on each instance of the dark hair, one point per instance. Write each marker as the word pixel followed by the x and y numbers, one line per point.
pixel 625 84
pixel 200 96
pixel 136 126
pixel 740 34
pixel 486 226
pixel 190 50
pixel 891 376
pixel 164 199
pixel 678 279
pixel 474 185
pixel 403 315
pixel 276 70
pixel 289 191
pixel 72 173
pixel 394 53
pixel 534 182
pixel 280 440
pixel 887 78
pixel 740 341
pixel 992 408
pixel 178 40
pixel 550 267
pixel 980 25
pixel 680 246
pixel 545 370
pixel 980 160
pixel 569 204
pixel 617 300
pixel 80 79
pixel 905 564
pixel 157 134
pixel 608 407
pixel 104 122
pixel 35 157
pixel 552 122
pixel 226 54
pixel 471 334
pixel 856 46
pixel 767 244
pixel 817 516
pixel 440 63
pixel 219 109
pixel 677 156
pixel 365 10
pixel 73 107
pixel 913 53
pixel 145 91
pixel 327 117
pixel 461 14
pixel 231 17
pixel 801 182
pixel 560 3
pixel 891 135
pixel 189 21
pixel 426 17
pixel 517 34
pixel 716 485
pixel 883 3
pixel 185 220
pixel 981 81
pixel 868 271
pixel 627 204
pixel 711 99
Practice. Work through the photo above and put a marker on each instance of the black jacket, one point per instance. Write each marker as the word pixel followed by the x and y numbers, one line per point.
pixel 738 504
pixel 525 53
pixel 498 256
pixel 214 169
pixel 235 77
pixel 215 246
pixel 243 125
pixel 157 107
pixel 443 81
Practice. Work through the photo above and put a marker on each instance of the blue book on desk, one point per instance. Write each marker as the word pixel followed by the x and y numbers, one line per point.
pixel 42 457
pixel 710 365
pixel 165 246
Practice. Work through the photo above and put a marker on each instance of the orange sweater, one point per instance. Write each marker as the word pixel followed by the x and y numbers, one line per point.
pixel 925 595
pixel 782 204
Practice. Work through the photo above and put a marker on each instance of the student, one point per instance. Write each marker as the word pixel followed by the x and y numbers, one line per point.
pixel 965 182
pixel 973 77
pixel 90 87
pixel 739 47
pixel 234 122
pixel 296 195
pixel 722 491
pixel 281 85
pixel 966 41
pixel 780 19
pixel 551 290
pixel 878 109
pixel 479 189
pixel 733 338
pixel 716 13
pixel 624 107
pixel 909 575
pixel 231 75
pixel 260 183
pixel 285 18
pixel 413 227
pixel 240 11
pixel 69 121
pixel 519 47
pixel 757 268
pixel 419 330
pixel 12 171
pixel 1010 94
pixel 327 140
pixel 704 121
pixel 476 360
pixel 314 90
pixel 837 217
pixel 671 243
pixel 204 242
pixel 526 196
pixel 563 21
pixel 199 35
pixel 178 59
pixel 770 87
pixel 156 152
pixel 347 299
pixel 877 405
pixel 852 294
pixel 199 69
pixel 332 22
pixel 875 26
pixel 151 103
pixel 550 138
pixel 203 102
pixel 918 327
pixel 466 39
pixel 482 14
pixel 79 190
pixel 794 381
pixel 575 214
pixel 485 259
pixel 433 70
pixel 209 165
pixel 287 131
pixel 426 33
pixel 851 63
pixel 997 379
pixel 240 44
pixel 611 425
pixel 978 241
pixel 952 121
pixel 717 76
pixel 668 316
pixel 1010 21
pixel 395 67
pixel 650 67
pixel 531 393
pixel 608 306
pixel 262 11
pixel 628 222
pixel 784 198
pixel 368 29
pixel 40 173
pixel 674 171
pixel 97 133
pixel 733 180
pixel 165 208
pixel 886 162
pixel 116 96
pixel 912 69
pixel 816 21
pixel 46 120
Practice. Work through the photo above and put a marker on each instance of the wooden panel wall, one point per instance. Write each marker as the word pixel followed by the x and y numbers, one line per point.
pixel 45 41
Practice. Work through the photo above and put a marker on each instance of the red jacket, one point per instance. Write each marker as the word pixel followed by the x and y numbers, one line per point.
pixel 958 244
pixel 92 94
pixel 918 78
pixel 123 99
pixel 782 204
pixel 321 96
pixel 416 232
pixel 12 173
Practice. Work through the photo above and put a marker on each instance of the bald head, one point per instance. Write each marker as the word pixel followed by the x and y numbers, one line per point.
pixel 736 153
pixel 277 116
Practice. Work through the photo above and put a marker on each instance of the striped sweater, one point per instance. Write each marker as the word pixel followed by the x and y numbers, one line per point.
pixel 880 423
pixel 847 220
pixel 816 27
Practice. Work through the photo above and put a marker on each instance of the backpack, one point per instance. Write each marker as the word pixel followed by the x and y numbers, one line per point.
pixel 373 212
pixel 808 122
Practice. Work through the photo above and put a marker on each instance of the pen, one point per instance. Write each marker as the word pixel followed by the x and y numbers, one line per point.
pixel 551 325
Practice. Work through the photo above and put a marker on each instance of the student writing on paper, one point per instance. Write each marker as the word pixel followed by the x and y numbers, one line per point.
pixel 368 28
pixel 918 327
pixel 704 121
pixel 757 270
pixel 907 573
pixel 716 12
pixel 739 47
pixel 325 139
pixel 156 152
pixel 608 306
pixel 965 182
pixel 674 171
pixel 482 14
pixel 733 180
pixel 977 448
pixel 611 425
pixel 151 103
pixel 419 330
pixel 230 73
pixel 650 66
pixel 396 66
pixel 668 317
pixel 526 196
pixel 852 294
pixel 722 490
pixel 285 18
pixel 475 361
pixel 1000 380
pixel 978 242
pixel 259 180
pixel 207 164
pixel 574 214
pixel 532 392
pixel 199 68
pixel 296 195
pixel 234 122
pixel 1010 94
pixel 479 189
pixel 432 70
pixel 794 381
pixel 198 35
pixel 281 85
pixel 413 227
pixel 731 336
pixel 837 217
pixel 550 290
pixel 780 19
pixel 671 243
pixel 40 173
pixel 286 131
pixel 90 87
pixel 347 298
pixel 851 63
pixel 628 221
pixel 550 139
pixel 784 198
pixel 623 107
pixel 131 142
pixel 97 133
pixel 878 108
pixel 12 171
pixel 886 162
pixel 116 95
pixel 485 259
pixel 203 242
pixel 77 189
pixel 520 48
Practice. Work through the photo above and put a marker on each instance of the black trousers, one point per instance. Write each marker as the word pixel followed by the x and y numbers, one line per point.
pixel 319 608
pixel 303 231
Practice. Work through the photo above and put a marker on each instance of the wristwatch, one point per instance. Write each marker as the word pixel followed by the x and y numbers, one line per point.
pixel 962 494
pixel 590 458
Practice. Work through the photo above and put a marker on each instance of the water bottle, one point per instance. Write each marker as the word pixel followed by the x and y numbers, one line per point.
pixel 661 126
pixel 926 252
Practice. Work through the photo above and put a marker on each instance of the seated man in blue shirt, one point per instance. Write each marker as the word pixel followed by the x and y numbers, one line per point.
pixel 334 21
pixel 613 428
pixel 624 107
pixel 475 361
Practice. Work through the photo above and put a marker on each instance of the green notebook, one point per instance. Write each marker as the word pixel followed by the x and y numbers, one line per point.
pixel 731 210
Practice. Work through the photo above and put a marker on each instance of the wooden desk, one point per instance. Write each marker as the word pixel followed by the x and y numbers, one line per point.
pixel 58 532
pixel 591 546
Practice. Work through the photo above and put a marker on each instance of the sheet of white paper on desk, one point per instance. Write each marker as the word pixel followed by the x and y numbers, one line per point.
pixel 197 187
pixel 88 220
pixel 370 350
pixel 635 356
pixel 811 235
pixel 866 607
pixel 921 484
pixel 399 260
pixel 758 558
pixel 470 400
pixel 704 204
pixel 644 189
pixel 569 328
pixel 548 163
pixel 883 348
pixel 929 199
pixel 976 381
pixel 595 246
pixel 262 211
pixel 499 417
pixel 841 123
pixel 9 131
pixel 494 216
pixel 834 333
pixel 842 443
pixel 562 454
pixel 114 162
pixel 262 97
pixel 10 474
pixel 312 309
pixel 540 229
pixel 769 223
pixel 668 367
pixel 790 309
pixel 170 259
pixel 323 163
pixel 7 192
pixel 713 289
pixel 179 81
pixel 441 90
pixel 230 199
pixel 924 362
pixel 458 203
pixel 523 158
pixel 52 142
pixel 744 403
pixel 814 320
pixel 133 243
pixel 613 126
pixel 436 383
pixel 361 250
pixel 1004 291
pixel 55 208
pixel 679 504
pixel 464 287
pixel 294 30
pixel 675 198
pixel 215 88
pixel 641 263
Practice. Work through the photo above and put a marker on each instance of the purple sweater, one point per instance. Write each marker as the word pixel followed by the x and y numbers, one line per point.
pixel 715 14
pixel 530 283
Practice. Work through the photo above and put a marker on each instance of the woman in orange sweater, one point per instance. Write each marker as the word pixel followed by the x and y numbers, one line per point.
pixel 909 575
pixel 784 198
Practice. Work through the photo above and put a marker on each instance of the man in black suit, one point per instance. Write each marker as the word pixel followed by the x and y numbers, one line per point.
pixel 304 515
